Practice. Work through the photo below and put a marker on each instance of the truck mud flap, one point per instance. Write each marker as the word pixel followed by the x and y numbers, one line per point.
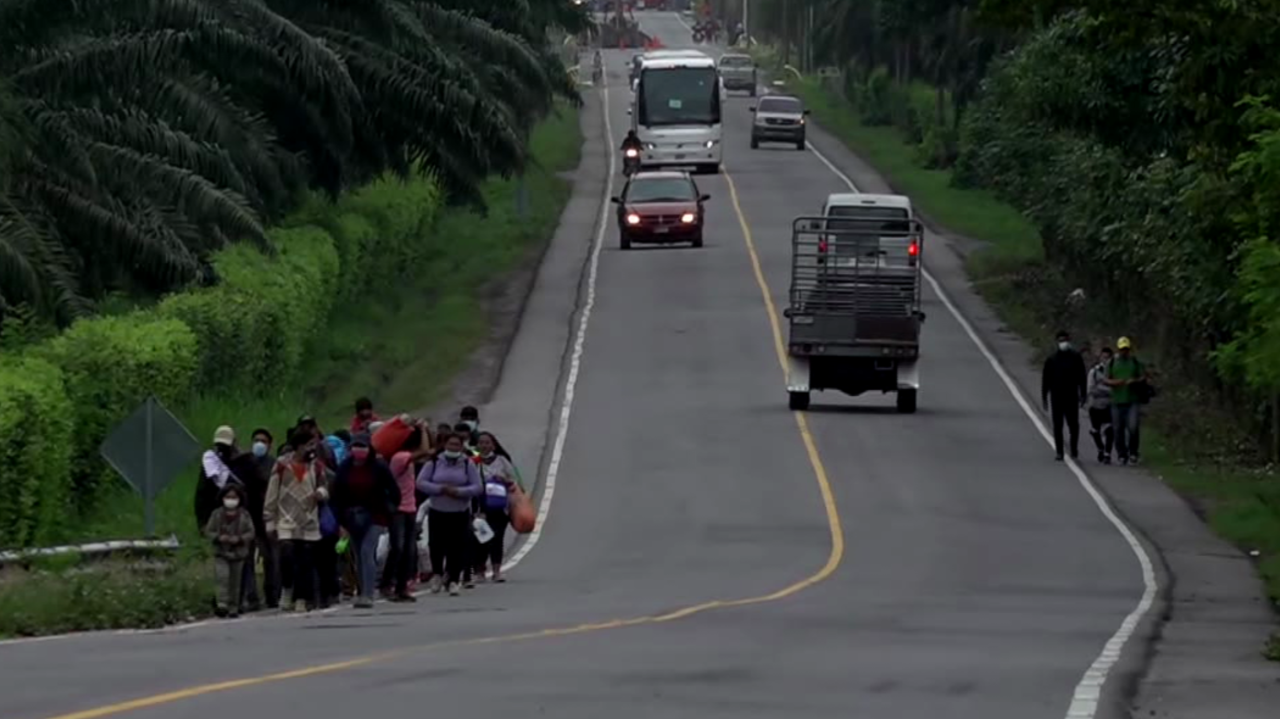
pixel 908 374
pixel 797 374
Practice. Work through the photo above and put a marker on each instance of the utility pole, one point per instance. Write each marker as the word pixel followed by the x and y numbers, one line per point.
pixel 786 32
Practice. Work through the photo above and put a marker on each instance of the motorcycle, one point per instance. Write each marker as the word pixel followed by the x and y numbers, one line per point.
pixel 630 161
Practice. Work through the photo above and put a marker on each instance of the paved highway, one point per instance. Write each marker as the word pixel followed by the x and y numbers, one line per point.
pixel 932 565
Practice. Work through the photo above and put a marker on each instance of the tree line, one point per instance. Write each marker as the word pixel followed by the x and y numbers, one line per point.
pixel 1142 139
pixel 139 136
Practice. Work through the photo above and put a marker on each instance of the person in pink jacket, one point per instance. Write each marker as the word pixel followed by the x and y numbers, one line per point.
pixel 402 557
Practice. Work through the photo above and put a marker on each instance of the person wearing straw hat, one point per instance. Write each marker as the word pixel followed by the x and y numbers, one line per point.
pixel 1127 377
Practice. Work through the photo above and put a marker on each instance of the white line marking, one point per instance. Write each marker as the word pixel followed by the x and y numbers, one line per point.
pixel 579 341
pixel 553 469
pixel 1084 700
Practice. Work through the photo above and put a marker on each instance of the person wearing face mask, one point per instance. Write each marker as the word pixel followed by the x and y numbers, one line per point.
pixel 470 416
pixel 365 498
pixel 499 479
pixel 291 513
pixel 1063 391
pixel 231 531
pixel 254 468
pixel 451 482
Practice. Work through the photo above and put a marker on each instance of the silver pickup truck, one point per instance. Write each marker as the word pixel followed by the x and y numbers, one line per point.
pixel 738 72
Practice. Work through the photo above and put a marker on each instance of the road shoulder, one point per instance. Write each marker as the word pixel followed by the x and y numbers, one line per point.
pixel 1197 653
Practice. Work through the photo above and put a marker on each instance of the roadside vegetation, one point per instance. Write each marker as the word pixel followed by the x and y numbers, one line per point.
pixel 1132 153
pixel 251 209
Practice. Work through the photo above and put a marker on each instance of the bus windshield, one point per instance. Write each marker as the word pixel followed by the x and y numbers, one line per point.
pixel 679 96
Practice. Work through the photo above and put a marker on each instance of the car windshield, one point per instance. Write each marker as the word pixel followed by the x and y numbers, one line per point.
pixel 660 189
pixel 735 61
pixel 780 104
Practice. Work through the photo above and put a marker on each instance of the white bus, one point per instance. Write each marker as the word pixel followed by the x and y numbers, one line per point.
pixel 676 110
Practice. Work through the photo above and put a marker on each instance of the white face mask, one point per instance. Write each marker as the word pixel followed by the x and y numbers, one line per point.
pixel 471 424
pixel 259 449
pixel 452 455
pixel 231 502
pixel 1064 346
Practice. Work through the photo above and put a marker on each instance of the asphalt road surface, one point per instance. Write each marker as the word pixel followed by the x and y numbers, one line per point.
pixel 892 566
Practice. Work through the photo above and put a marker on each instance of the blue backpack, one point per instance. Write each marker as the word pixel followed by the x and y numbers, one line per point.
pixel 339 448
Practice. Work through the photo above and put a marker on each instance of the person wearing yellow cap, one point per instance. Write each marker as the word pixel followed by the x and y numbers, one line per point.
pixel 1127 378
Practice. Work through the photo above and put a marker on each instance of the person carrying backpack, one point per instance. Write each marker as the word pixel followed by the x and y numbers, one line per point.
pixel 451 482
pixel 499 479
pixel 1129 388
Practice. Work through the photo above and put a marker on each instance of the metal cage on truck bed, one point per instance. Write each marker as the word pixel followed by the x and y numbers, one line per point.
pixel 855 286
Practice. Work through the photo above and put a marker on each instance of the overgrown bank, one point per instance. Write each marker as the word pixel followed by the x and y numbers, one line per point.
pixel 1193 440
pixel 376 294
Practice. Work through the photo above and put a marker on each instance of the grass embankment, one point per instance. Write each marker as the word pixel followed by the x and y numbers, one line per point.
pixel 1238 503
pixel 401 343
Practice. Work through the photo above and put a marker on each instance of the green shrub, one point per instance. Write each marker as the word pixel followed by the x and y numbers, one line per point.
pixel 108 596
pixel 110 365
pixel 35 452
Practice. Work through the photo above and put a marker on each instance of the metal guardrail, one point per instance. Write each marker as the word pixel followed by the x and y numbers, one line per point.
pixel 92 550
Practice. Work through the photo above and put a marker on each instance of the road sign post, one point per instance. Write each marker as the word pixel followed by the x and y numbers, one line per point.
pixel 148 449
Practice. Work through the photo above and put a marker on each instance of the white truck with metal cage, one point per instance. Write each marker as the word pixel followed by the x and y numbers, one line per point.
pixel 676 110
pixel 855 300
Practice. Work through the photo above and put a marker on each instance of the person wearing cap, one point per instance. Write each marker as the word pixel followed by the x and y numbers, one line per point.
pixel 215 473
pixel 1063 390
pixel 1124 374
pixel 365 498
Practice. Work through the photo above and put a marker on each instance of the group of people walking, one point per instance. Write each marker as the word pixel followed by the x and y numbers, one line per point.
pixel 316 511
pixel 1113 390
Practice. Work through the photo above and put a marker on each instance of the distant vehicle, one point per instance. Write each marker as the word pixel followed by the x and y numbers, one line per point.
pixel 738 72
pixel 660 207
pixel 676 110
pixel 855 300
pixel 778 118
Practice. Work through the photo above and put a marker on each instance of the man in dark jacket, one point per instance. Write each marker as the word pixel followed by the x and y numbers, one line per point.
pixel 254 467
pixel 365 496
pixel 1063 389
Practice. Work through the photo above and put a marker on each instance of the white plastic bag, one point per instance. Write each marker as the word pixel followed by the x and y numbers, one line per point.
pixel 482 530
pixel 384 548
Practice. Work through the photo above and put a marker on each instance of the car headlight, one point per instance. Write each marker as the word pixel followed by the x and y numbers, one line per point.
pixel 711 143
pixel 688 218
pixel 633 219
pixel 650 146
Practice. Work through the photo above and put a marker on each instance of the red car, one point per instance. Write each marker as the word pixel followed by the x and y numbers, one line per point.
pixel 660 207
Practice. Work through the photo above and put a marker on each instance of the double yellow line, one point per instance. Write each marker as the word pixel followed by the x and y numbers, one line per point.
pixel 834 557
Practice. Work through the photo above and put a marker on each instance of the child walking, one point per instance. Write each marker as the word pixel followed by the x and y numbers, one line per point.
pixel 231 530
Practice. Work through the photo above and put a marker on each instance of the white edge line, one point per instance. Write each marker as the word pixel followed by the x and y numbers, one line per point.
pixel 579 342
pixel 1085 698
pixel 553 468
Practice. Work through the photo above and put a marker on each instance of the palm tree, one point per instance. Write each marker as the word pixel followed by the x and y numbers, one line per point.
pixel 153 132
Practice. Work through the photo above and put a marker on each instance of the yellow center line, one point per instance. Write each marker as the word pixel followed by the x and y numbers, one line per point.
pixel 834 557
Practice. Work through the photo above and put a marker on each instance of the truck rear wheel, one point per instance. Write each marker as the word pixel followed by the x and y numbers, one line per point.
pixel 907 401
pixel 798 401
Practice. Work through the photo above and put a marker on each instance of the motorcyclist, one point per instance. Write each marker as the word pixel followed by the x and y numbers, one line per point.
pixel 632 142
